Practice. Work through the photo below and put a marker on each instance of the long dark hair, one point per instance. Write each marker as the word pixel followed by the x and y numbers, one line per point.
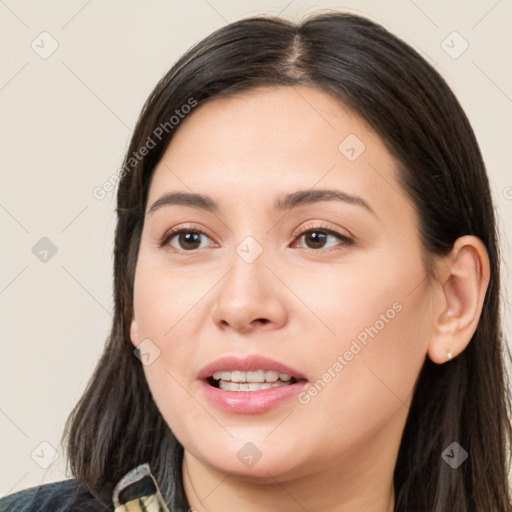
pixel 116 424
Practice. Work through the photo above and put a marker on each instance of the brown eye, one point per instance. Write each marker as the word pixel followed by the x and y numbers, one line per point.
pixel 184 239
pixel 317 238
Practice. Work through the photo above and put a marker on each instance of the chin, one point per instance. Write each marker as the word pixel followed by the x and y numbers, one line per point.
pixel 249 461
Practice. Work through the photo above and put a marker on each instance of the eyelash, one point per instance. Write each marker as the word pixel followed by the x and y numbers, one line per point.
pixel 169 235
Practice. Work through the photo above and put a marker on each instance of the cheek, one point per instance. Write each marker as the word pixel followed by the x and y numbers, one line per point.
pixel 165 304
pixel 365 373
pixel 165 301
pixel 375 328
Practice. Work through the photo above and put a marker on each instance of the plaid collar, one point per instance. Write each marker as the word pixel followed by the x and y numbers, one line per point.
pixel 138 491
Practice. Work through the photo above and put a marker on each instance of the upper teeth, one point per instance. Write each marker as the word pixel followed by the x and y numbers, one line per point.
pixel 256 376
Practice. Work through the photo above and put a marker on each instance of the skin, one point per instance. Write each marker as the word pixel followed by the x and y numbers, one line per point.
pixel 338 451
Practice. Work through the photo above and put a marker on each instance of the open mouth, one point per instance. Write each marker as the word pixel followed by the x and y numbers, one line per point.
pixel 249 380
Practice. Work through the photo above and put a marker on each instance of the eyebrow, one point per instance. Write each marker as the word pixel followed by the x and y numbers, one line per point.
pixel 286 202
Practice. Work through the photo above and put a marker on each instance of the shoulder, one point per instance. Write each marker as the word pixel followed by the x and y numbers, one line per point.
pixel 60 496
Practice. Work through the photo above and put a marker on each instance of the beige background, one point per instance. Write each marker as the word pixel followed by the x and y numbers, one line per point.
pixel 65 123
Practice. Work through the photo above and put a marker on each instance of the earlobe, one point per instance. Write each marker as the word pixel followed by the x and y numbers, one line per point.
pixel 134 332
pixel 462 293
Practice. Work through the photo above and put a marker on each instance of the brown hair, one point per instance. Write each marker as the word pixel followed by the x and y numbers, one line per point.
pixel 116 424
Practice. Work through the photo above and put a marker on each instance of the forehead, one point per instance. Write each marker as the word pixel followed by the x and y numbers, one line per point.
pixel 272 120
pixel 269 140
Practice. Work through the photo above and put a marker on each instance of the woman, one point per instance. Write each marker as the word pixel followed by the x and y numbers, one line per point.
pixel 306 290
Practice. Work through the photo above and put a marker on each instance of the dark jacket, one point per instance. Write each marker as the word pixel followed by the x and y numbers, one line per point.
pixel 138 490
pixel 55 497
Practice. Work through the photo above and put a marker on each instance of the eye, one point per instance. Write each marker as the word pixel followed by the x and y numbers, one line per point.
pixel 189 239
pixel 186 239
pixel 318 237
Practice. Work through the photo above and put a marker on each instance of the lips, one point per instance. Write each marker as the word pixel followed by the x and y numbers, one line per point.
pixel 253 384
pixel 253 363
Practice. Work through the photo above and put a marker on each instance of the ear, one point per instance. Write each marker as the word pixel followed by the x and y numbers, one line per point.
pixel 464 277
pixel 134 332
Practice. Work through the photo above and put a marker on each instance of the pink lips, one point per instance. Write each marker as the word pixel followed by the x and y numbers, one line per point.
pixel 247 364
pixel 249 401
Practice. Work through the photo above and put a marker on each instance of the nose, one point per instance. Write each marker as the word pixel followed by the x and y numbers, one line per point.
pixel 250 297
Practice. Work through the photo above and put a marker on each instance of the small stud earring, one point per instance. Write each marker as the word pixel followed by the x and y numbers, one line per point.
pixel 449 355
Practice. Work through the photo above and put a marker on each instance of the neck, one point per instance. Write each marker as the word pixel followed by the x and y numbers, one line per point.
pixel 313 493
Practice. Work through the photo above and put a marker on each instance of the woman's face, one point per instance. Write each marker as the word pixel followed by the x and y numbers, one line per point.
pixel 330 290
